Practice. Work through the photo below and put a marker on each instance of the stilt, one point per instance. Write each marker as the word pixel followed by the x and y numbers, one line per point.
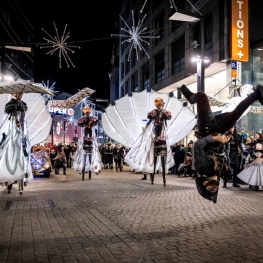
pixel 89 175
pixel 83 173
pixel 152 178
pixel 21 185
pixel 163 168
pixel 154 167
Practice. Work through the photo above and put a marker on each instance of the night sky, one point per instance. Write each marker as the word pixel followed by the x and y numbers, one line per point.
pixel 91 24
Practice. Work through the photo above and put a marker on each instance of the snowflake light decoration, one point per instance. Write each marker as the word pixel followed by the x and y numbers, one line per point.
pixel 135 35
pixel 71 120
pixel 82 103
pixel 51 88
pixel 172 5
pixel 60 44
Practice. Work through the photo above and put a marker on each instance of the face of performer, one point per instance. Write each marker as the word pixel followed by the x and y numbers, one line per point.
pixel 159 106
pixel 211 184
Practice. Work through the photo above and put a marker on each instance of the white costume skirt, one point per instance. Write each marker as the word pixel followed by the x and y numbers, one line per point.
pixel 252 175
pixel 140 156
pixel 90 162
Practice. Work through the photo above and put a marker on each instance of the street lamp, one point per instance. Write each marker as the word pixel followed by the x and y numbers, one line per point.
pixel 183 15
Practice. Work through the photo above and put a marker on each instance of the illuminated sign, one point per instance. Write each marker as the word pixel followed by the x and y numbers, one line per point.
pixel 239 49
pixel 61 111
pixel 236 71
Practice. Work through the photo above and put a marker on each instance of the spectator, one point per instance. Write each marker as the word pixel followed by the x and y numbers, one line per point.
pixel 234 150
pixel 176 153
pixel 67 153
pixel 60 162
pixel 53 155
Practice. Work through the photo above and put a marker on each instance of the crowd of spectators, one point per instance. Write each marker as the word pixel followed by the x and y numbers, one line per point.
pixel 61 155
pixel 240 151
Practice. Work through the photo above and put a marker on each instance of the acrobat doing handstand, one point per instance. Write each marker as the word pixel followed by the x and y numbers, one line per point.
pixel 212 134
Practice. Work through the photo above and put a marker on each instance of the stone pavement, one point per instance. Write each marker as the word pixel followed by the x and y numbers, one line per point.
pixel 116 217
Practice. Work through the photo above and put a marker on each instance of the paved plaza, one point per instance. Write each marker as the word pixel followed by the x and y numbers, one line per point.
pixel 117 217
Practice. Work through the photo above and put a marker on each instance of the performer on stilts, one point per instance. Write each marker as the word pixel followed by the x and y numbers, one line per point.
pixel 14 149
pixel 151 151
pixel 89 142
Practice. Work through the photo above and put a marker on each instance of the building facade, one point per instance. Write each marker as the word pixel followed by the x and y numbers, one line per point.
pixel 170 63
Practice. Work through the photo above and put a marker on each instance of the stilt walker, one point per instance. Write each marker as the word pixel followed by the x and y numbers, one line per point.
pixel 159 117
pixel 87 123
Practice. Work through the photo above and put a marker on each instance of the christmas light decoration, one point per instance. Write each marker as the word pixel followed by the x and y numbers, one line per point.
pixel 51 88
pixel 71 120
pixel 135 36
pixel 60 44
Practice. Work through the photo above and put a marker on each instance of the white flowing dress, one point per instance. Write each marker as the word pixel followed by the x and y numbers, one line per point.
pixel 81 158
pixel 253 174
pixel 140 156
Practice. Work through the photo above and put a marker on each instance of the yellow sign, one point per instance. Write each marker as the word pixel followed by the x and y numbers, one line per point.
pixel 239 49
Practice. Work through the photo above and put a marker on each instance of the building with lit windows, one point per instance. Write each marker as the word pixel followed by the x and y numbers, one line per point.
pixel 171 55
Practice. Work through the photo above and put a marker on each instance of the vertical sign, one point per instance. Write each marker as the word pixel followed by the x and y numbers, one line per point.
pixel 236 72
pixel 239 49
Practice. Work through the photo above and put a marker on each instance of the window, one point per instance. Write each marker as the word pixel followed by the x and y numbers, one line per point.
pixel 134 59
pixel 135 87
pixel 159 27
pixel 178 55
pixel 127 64
pixel 208 34
pixel 122 71
pixel 122 91
pixel 146 47
pixel 159 67
pixel 127 87
pixel 146 76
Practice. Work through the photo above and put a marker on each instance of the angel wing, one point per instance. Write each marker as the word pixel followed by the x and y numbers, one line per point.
pixel 38 118
pixel 125 119
pixel 22 86
pixel 73 100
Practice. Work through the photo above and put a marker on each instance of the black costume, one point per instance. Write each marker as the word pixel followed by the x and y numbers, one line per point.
pixel 159 116
pixel 221 123
pixel 207 154
pixel 88 122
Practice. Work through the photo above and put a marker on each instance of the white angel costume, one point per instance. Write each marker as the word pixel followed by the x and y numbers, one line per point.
pixel 91 162
pixel 140 157
pixel 14 162
pixel 124 121
pixel 253 173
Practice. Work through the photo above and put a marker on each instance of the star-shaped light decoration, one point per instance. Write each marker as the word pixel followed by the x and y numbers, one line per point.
pixel 135 35
pixel 172 5
pixel 51 88
pixel 71 120
pixel 60 44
